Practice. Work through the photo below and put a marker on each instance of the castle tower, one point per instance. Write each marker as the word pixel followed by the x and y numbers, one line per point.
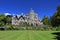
pixel 31 11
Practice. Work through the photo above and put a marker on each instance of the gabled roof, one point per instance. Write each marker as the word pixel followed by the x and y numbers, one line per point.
pixel 20 17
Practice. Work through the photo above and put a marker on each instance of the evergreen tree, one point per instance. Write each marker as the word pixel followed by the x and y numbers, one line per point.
pixel 55 19
pixel 46 20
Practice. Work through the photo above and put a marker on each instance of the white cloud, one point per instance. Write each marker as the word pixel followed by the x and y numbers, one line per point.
pixel 7 14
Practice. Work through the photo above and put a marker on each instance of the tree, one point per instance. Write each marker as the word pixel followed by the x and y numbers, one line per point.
pixel 58 8
pixel 8 19
pixel 2 19
pixel 46 20
pixel 55 19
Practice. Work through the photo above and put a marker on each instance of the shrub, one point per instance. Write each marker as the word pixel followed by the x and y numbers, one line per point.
pixel 58 28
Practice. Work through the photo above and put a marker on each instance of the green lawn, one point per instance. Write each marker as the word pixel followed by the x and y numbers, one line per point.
pixel 26 35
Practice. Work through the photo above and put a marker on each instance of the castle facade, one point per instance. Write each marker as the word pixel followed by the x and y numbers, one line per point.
pixel 31 18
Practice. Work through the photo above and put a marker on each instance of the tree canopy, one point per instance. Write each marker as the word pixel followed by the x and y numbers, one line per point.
pixel 46 21
pixel 55 19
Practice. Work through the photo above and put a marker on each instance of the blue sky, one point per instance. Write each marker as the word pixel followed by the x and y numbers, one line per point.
pixel 42 7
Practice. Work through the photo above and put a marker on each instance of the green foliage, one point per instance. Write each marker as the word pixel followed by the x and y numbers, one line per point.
pixel 58 8
pixel 55 19
pixel 1 23
pixel 46 21
pixel 11 27
pixel 8 19
pixel 5 19
pixel 58 28
pixel 2 18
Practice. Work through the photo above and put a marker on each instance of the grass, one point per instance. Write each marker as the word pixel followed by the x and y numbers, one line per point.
pixel 26 35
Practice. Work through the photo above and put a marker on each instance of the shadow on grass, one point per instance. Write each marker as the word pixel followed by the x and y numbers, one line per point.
pixel 57 37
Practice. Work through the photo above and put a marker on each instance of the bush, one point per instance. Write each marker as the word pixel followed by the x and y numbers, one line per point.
pixel 58 28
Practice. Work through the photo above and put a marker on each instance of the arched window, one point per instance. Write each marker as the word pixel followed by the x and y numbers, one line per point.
pixel 31 24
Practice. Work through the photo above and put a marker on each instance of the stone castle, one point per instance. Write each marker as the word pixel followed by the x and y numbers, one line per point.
pixel 31 18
